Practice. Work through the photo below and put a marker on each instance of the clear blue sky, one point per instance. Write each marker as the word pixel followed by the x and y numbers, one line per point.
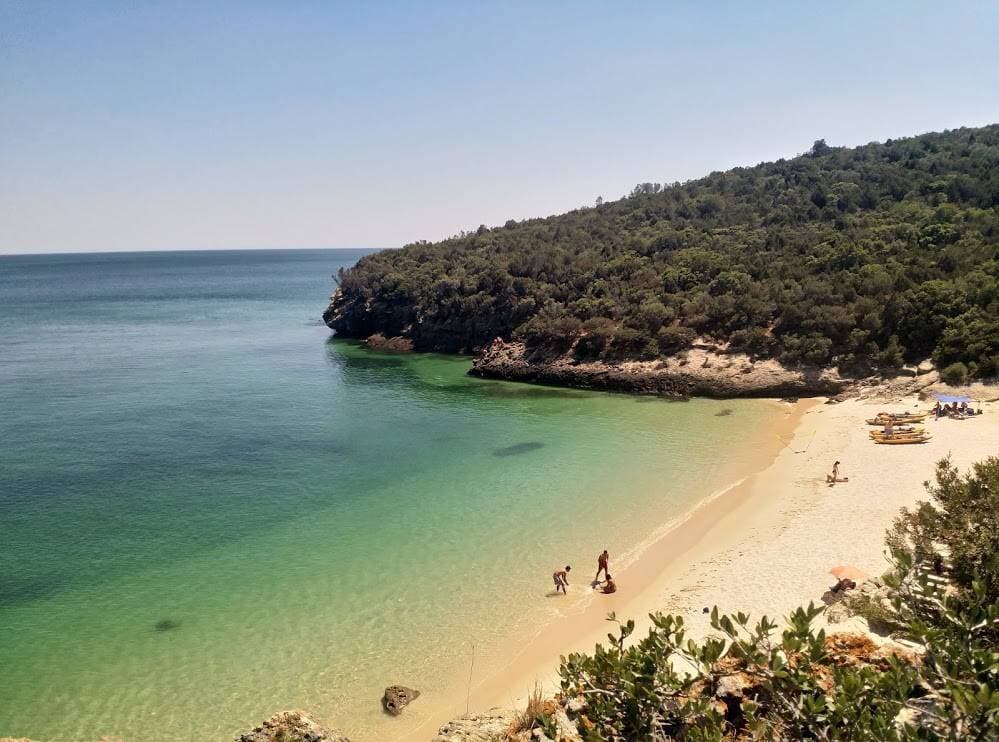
pixel 177 125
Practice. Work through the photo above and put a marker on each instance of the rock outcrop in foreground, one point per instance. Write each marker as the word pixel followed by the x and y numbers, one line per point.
pixel 494 724
pixel 700 372
pixel 291 726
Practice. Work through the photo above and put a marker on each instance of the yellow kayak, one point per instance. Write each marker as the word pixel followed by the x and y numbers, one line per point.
pixel 898 431
pixel 901 439
pixel 900 419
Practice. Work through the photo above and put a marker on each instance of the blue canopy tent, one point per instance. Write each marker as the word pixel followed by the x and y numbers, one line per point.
pixel 947 399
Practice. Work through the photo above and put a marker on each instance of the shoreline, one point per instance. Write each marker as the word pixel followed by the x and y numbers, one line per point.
pixel 661 557
pixel 639 579
pixel 762 545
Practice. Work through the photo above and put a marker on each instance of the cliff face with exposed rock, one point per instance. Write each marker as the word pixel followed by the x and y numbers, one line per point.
pixel 701 372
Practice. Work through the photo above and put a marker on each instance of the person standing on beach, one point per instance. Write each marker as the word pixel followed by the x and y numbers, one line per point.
pixel 601 566
pixel 561 578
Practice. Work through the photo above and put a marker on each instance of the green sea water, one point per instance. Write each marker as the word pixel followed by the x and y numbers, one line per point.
pixel 211 510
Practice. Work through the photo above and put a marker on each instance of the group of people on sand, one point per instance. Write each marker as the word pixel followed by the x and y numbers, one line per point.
pixel 954 411
pixel 561 576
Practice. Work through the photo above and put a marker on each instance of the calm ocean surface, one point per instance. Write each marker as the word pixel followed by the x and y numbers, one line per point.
pixel 211 511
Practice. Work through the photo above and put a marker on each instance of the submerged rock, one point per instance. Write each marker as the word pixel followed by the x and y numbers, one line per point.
pixel 518 448
pixel 291 726
pixel 389 344
pixel 397 697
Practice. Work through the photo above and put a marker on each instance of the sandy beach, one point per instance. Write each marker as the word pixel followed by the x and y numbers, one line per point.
pixel 763 545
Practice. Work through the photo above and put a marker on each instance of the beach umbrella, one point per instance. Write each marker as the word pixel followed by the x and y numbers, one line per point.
pixel 847 572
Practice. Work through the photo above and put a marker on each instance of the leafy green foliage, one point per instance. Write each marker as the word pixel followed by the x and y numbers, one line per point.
pixel 959 524
pixel 861 257
pixel 956 374
pixel 789 687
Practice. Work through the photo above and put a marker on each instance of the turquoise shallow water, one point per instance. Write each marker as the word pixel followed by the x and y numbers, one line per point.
pixel 210 510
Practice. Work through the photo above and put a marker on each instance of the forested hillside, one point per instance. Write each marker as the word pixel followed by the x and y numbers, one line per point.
pixel 861 257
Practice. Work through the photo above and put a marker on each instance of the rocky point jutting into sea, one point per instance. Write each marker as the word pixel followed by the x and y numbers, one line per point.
pixel 706 369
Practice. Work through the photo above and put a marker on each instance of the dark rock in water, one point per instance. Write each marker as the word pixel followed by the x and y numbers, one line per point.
pixel 167 624
pixel 397 697
pixel 518 448
pixel 291 726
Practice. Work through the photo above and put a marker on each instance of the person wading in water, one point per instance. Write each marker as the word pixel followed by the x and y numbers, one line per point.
pixel 561 578
pixel 601 566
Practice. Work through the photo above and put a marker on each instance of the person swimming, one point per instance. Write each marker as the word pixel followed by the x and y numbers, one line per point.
pixel 561 578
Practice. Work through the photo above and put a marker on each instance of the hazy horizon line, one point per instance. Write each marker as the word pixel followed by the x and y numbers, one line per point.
pixel 4 253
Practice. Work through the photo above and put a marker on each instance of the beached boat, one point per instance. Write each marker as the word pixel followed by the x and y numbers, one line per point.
pixel 898 441
pixel 898 419
pixel 898 431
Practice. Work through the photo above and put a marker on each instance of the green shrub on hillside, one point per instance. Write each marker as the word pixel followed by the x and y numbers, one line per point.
pixel 956 374
pixel 863 257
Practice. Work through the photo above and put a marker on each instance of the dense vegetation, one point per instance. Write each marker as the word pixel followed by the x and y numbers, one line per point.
pixel 747 683
pixel 861 257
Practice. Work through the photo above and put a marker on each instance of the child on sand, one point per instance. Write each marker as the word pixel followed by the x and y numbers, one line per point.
pixel 835 477
pixel 561 578
pixel 609 586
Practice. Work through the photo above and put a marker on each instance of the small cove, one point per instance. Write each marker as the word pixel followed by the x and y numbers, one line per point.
pixel 212 511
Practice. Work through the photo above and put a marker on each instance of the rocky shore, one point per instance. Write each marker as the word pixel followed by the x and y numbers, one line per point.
pixel 702 371
pixel 706 369
pixel 291 726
